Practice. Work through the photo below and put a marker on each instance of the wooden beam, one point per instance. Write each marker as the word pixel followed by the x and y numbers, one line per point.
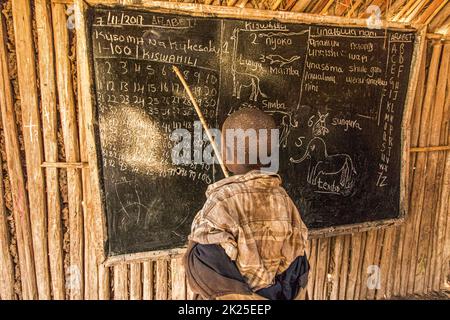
pixel 336 263
pixel 430 149
pixel 413 12
pixel 71 146
pixel 147 281
pixel 97 220
pixel 6 263
pixel 144 256
pixel 104 288
pixel 161 289
pixel 321 273
pixel 311 253
pixel 300 5
pixel 444 208
pixel 26 74
pixel 65 165
pixel 367 260
pixel 435 170
pixel 16 178
pixel 434 7
pixel 417 262
pixel 386 256
pixel 178 280
pixel 444 214
pixel 135 281
pixel 356 243
pixel 343 276
pixel 93 280
pixel 404 263
pixel 436 22
pixel 50 140
pixel 121 282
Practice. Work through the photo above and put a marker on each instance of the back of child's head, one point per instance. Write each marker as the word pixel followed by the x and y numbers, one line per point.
pixel 249 137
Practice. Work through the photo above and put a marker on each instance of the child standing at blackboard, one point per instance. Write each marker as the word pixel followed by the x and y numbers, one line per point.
pixel 248 241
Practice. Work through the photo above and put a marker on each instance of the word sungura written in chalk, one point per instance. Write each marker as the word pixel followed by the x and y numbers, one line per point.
pixel 251 146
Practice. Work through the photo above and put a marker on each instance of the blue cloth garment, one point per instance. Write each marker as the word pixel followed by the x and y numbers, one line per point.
pixel 216 266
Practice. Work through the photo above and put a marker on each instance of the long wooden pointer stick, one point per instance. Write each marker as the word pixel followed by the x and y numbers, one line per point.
pixel 202 120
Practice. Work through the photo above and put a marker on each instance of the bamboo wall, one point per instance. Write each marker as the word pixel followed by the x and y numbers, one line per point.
pixel 47 244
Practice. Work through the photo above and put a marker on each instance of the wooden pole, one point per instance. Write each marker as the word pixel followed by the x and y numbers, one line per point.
pixel 71 146
pixel 312 257
pixel 404 256
pixel 354 265
pixel 444 213
pixel 97 221
pixel 91 264
pixel 321 272
pixel 6 264
pixel 367 260
pixel 434 7
pixel 26 74
pixel 416 273
pixel 121 282
pixel 435 169
pixel 16 178
pixel 444 209
pixel 161 280
pixel 202 120
pixel 65 165
pixel 50 140
pixel 300 5
pixel 135 281
pixel 336 263
pixel 343 277
pixel 104 288
pixel 147 281
pixel 178 279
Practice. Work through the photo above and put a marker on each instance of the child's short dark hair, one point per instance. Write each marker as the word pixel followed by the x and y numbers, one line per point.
pixel 246 119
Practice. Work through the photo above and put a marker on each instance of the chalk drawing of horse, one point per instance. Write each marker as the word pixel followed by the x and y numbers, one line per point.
pixel 321 163
pixel 242 80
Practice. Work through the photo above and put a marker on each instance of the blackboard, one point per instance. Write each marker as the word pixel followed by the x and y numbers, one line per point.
pixel 338 94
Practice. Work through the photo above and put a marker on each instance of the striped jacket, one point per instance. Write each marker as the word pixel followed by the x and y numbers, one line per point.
pixel 252 217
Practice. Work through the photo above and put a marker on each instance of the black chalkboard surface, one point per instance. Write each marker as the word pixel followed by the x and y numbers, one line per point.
pixel 338 94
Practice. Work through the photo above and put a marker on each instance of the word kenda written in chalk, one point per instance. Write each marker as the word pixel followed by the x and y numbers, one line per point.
pixel 252 146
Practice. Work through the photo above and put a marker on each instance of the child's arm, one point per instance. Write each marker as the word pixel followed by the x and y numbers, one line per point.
pixel 295 244
pixel 215 225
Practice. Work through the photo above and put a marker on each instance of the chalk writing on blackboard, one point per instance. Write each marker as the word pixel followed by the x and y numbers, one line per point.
pixel 337 94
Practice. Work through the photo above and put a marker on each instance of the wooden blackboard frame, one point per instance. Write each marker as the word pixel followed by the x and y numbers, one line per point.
pixel 96 222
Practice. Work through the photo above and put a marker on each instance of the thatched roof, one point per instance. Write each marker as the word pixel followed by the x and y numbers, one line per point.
pixel 436 13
